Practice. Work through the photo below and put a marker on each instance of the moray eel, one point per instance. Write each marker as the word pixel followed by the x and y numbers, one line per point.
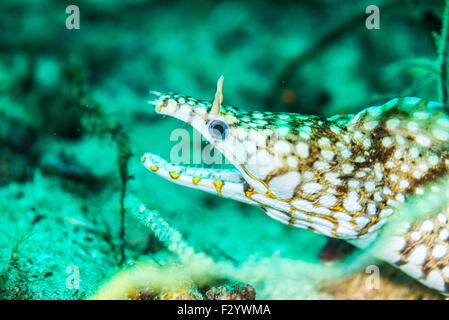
pixel 343 177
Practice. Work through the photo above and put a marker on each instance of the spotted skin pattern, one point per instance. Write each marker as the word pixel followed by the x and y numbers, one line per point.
pixel 343 177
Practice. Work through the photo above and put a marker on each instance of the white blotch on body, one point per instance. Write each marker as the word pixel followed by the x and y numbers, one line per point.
pixel 433 160
pixel 427 226
pixel 393 177
pixel 371 209
pixel 324 142
pixel 308 175
pixel 261 164
pixel 282 147
pixel 386 212
pixel 416 235
pixel 444 234
pixel 370 186
pixel 442 218
pixel 387 142
pixel 423 140
pixel 435 280
pixel 284 186
pixel 332 178
pixel 308 206
pixel 412 270
pixel 302 149
pixel 351 202
pixel 321 165
pixel 440 134
pixel 292 161
pixel 346 153
pixel 414 152
pixel 327 200
pixel 360 174
pixel 347 168
pixel 327 154
pixel 413 126
pixel 439 251
pixel 370 125
pixel 362 221
pixel 404 184
pixel 418 255
pixel 310 188
pixel 353 184
pixel 283 132
pixel 345 229
pixel 392 123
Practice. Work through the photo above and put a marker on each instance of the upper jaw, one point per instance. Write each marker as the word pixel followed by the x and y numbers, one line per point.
pixel 159 102
pixel 164 103
pixel 182 107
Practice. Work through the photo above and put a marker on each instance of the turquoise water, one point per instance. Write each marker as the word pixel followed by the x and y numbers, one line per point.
pixel 74 124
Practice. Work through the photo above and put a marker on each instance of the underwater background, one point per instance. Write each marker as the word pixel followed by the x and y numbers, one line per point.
pixel 74 124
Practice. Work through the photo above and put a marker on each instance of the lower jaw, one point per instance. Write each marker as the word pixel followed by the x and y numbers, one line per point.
pixel 225 175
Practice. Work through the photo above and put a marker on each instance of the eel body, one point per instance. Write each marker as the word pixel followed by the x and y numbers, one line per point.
pixel 343 177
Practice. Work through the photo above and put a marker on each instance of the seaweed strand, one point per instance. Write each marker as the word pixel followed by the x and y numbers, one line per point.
pixel 443 52
pixel 124 154
pixel 96 123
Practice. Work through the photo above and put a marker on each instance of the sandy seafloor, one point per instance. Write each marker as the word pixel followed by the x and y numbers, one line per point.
pixel 122 50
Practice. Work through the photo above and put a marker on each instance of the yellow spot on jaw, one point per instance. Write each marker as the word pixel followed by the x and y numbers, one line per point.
pixel 218 185
pixel 163 105
pixel 174 175
pixel 195 180
pixel 154 168
pixel 143 159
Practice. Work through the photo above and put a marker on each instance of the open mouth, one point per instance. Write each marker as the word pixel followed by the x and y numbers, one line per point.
pixel 224 182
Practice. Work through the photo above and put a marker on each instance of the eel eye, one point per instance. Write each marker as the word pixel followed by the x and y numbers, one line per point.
pixel 218 129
